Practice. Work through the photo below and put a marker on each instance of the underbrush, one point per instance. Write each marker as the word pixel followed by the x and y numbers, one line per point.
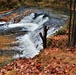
pixel 8 4
pixel 6 61
pixel 62 31
pixel 59 39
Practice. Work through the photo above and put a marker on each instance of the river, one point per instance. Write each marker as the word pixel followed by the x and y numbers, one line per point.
pixel 30 43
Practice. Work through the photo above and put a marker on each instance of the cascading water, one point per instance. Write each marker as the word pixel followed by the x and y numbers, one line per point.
pixel 30 44
pixel 26 42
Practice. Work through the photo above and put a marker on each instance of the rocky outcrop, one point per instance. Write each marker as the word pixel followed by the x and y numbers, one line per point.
pixel 9 52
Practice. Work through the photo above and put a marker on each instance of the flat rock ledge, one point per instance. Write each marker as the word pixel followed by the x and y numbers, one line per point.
pixel 9 52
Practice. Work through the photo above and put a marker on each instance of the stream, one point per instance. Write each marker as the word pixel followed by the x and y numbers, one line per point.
pixel 30 43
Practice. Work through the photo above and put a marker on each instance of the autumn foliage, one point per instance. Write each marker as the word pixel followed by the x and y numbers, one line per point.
pixel 51 61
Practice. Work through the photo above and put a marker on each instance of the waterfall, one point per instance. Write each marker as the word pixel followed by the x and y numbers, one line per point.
pixel 2 23
pixel 30 44
pixel 27 44
pixel 28 19
pixel 29 26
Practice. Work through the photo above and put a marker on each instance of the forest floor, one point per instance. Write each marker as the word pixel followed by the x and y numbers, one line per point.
pixel 54 60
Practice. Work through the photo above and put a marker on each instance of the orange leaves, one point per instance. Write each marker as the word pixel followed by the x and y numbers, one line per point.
pixel 58 41
pixel 73 50
pixel 22 66
pixel 51 61
pixel 25 66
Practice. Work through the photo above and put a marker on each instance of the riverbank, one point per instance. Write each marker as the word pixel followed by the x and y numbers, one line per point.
pixel 51 3
pixel 56 59
pixel 58 5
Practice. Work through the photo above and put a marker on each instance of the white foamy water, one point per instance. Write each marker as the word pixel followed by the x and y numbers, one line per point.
pixel 38 19
pixel 27 19
pixel 2 22
pixel 29 26
pixel 30 44
pixel 26 44
pixel 43 21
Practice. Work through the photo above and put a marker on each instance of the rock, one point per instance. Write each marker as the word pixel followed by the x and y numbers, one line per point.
pixel 9 52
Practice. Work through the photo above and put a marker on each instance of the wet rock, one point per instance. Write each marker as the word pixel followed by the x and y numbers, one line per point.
pixel 9 52
pixel 11 44
pixel 16 30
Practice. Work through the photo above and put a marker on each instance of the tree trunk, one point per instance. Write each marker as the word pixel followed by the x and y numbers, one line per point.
pixel 74 26
pixel 43 37
pixel 70 22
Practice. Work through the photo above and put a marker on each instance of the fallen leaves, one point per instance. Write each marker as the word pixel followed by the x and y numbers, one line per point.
pixel 23 66
pixel 51 61
pixel 58 41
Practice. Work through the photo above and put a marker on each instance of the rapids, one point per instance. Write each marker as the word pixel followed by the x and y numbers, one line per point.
pixel 30 43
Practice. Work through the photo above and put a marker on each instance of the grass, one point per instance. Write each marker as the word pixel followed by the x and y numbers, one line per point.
pixel 61 32
pixel 6 62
